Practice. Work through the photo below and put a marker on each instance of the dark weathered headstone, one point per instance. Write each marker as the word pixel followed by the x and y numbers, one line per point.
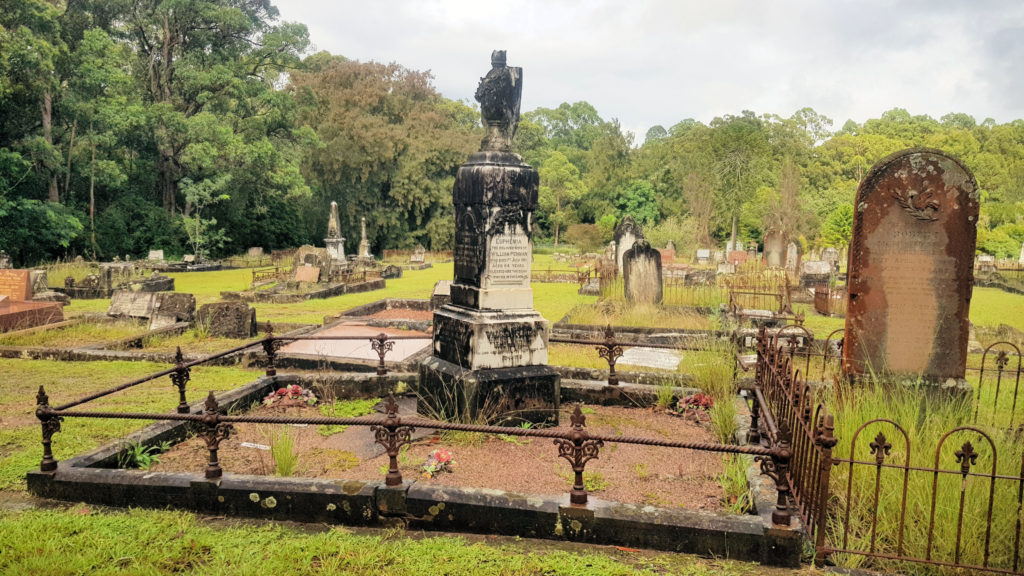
pixel 228 319
pixel 131 304
pixel 391 272
pixel 815 272
pixel 172 307
pixel 910 276
pixel 641 274
pixel 489 344
pixel 626 234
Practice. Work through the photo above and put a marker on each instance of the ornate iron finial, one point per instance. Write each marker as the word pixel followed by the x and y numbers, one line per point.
pixel 966 457
pixel 269 331
pixel 578 418
pixel 381 345
pixel 179 358
pixel 1002 359
pixel 211 404
pixel 391 406
pixel 880 447
pixel 42 399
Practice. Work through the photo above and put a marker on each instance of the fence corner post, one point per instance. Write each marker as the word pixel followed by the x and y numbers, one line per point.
pixel 180 378
pixel 826 440
pixel 50 425
pixel 781 455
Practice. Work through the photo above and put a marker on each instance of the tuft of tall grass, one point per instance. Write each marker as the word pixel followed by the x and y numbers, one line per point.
pixel 282 448
pixel 622 313
pixel 737 498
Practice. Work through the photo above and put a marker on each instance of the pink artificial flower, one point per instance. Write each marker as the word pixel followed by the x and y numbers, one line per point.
pixel 282 392
pixel 442 456
pixel 296 389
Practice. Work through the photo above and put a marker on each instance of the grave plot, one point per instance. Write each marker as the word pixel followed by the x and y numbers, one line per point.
pixel 78 333
pixel 622 473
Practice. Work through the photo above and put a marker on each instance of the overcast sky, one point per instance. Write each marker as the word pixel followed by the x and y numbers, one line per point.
pixel 658 62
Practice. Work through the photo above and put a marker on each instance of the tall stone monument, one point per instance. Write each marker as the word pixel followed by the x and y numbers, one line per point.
pixel 774 249
pixel 364 244
pixel 334 241
pixel 490 346
pixel 626 234
pixel 910 268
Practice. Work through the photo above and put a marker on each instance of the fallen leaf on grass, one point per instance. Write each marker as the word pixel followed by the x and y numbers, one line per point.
pixel 624 549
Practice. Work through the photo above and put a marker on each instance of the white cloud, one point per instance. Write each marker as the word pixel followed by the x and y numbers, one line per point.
pixel 660 61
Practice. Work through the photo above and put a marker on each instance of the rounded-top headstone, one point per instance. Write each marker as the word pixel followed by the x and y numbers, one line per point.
pixel 910 267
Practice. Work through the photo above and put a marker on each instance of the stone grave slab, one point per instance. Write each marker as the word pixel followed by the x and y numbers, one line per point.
pixel 360 348
pixel 156 255
pixel 21 315
pixel 228 319
pixel 131 304
pixel 651 357
pixel 911 267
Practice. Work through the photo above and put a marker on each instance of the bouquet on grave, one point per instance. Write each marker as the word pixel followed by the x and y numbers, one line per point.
pixel 695 407
pixel 293 395
pixel 438 461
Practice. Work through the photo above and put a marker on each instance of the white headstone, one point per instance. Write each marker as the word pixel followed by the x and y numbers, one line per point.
pixel 156 254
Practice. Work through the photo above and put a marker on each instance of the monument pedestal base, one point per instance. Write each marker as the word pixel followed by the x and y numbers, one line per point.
pixel 499 396
pixel 482 339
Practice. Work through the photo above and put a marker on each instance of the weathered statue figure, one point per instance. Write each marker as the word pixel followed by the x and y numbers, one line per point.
pixel 499 94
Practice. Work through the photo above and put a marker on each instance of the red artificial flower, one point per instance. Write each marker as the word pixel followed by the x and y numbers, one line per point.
pixel 442 456
pixel 282 392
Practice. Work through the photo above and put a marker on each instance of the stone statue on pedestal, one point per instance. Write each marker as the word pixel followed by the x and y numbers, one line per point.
pixel 499 94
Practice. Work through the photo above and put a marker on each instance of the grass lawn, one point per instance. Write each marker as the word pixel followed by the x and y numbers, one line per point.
pixel 20 449
pixel 80 540
pixel 76 335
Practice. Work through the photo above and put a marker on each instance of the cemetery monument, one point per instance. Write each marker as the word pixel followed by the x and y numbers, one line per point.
pixel 910 275
pixel 489 343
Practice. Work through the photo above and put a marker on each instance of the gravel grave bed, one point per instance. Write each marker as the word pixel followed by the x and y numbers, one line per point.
pixel 646 475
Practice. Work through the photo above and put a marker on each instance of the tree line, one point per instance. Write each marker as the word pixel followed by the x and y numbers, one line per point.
pixel 207 126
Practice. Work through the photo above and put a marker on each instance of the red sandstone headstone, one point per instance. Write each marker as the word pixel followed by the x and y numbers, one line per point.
pixel 16 284
pixel 910 267
pixel 737 257
pixel 307 274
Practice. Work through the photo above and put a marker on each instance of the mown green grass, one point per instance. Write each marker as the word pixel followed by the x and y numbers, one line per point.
pixel 82 541
pixel 76 335
pixel 20 436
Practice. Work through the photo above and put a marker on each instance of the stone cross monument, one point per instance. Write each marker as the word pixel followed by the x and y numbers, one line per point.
pixel 334 241
pixel 490 345
pixel 910 268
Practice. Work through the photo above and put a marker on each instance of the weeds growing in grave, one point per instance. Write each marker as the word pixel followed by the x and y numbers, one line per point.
pixel 344 409
pixel 622 313
pixel 666 394
pixel 643 472
pixel 737 498
pixel 282 448
pixel 137 455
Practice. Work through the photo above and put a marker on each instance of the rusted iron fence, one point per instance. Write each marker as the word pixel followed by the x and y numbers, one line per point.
pixel 610 349
pixel 391 430
pixel 997 386
pixel 955 508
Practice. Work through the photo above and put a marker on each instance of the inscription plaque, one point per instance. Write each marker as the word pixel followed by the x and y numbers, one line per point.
pixel 911 277
pixel 15 284
pixel 508 259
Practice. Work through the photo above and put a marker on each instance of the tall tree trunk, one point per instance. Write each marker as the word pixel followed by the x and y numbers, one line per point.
pixel 92 197
pixel 71 145
pixel 166 179
pixel 735 230
pixel 46 108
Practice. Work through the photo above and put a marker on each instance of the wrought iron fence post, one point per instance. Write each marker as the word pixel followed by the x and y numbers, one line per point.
pixel 781 455
pixel 754 434
pixel 270 346
pixel 180 378
pixel 610 352
pixel 392 436
pixel 50 425
pixel 213 433
pixel 578 450
pixel 826 440
pixel 381 345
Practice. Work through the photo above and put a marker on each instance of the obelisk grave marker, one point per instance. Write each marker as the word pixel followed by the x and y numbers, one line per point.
pixel 490 346
pixel 910 268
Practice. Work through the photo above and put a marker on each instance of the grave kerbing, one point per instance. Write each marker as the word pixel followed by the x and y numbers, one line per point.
pixel 490 345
